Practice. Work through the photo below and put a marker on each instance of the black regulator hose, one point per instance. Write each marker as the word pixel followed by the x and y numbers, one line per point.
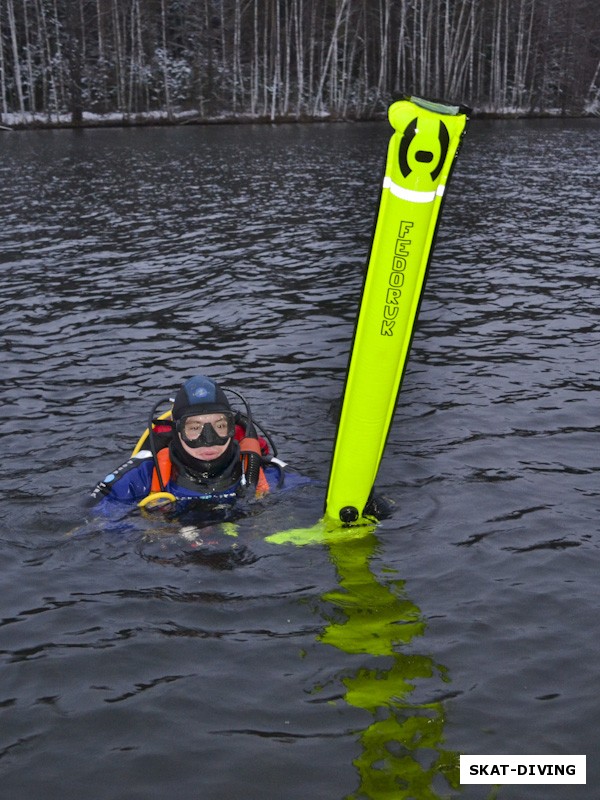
pixel 249 447
pixel 241 419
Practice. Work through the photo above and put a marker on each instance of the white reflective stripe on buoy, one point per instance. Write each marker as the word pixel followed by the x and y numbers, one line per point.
pixel 410 194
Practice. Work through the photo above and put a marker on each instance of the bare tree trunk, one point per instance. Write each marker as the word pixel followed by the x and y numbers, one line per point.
pixel 237 76
pixel 287 22
pixel 118 54
pixel 593 94
pixel 332 42
pixel 60 64
pixel 364 101
pixel 29 60
pixel 75 63
pixel 312 47
pixel 345 67
pixel 276 79
pixel 495 65
pixel 135 101
pixel 15 49
pixel 255 63
pixel 400 51
pixel 505 55
pixel 458 48
pixel 384 25
pixel 299 40
pixel 49 96
pixel 167 91
pixel 472 39
pixel 4 110
pixel 265 63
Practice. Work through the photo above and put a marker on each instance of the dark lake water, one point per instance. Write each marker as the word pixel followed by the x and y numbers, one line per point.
pixel 467 622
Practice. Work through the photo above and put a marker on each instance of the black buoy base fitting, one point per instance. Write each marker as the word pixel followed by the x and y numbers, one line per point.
pixel 348 514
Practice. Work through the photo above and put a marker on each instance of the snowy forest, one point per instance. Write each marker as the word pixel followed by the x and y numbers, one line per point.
pixel 76 60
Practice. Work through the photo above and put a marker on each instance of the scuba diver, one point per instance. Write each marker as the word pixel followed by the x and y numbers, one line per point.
pixel 202 451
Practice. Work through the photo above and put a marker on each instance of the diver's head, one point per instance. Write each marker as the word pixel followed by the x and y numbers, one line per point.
pixel 203 418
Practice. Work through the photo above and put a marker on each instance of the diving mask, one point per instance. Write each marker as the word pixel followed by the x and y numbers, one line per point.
pixel 206 430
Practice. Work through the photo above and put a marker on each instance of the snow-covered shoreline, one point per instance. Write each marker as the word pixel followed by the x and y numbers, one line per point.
pixel 29 121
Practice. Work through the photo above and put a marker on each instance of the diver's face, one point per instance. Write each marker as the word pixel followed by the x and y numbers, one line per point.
pixel 205 436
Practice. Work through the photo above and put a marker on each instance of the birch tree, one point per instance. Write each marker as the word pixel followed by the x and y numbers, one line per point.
pixel 3 86
pixel 317 105
pixel 15 53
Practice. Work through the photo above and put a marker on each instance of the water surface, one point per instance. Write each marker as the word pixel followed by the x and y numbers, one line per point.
pixel 467 622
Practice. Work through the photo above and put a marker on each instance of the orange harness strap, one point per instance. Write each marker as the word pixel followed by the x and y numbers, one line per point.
pixel 164 464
